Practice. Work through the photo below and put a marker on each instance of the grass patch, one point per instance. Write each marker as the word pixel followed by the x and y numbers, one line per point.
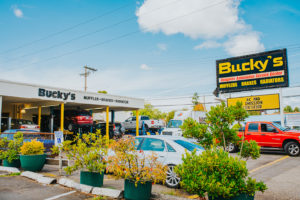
pixel 12 174
pixel 99 198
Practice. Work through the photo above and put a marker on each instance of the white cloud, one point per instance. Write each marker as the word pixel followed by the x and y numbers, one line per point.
pixel 244 44
pixel 162 46
pixel 145 67
pixel 208 45
pixel 17 12
pixel 208 19
pixel 201 19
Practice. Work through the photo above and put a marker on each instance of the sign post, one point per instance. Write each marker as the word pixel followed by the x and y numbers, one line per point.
pixel 59 139
pixel 281 108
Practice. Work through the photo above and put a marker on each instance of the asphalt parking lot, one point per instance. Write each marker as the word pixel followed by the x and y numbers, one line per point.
pixel 17 187
pixel 280 172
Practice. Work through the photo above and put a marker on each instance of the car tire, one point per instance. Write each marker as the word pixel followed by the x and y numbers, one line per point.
pixel 232 148
pixel 172 180
pixel 292 148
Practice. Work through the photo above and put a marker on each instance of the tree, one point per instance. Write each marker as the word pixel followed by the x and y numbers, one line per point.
pixel 169 116
pixel 199 107
pixel 288 109
pixel 195 99
pixel 296 109
pixel 151 112
pixel 219 127
pixel 103 91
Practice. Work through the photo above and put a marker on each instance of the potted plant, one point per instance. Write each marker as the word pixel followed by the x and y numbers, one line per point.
pixel 32 156
pixel 215 171
pixel 87 153
pixel 138 170
pixel 10 150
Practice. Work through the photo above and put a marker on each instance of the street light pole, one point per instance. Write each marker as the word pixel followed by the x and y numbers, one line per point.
pixel 87 72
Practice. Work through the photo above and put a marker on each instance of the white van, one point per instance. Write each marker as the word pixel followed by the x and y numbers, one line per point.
pixel 173 127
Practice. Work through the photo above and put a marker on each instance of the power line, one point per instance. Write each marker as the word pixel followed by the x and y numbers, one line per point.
pixel 88 34
pixel 66 29
pixel 126 35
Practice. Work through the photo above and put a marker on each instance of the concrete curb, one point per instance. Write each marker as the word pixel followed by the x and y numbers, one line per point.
pixel 38 177
pixel 107 192
pixel 89 189
pixel 9 169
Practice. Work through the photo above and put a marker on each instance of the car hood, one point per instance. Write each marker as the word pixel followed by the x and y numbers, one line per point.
pixel 293 132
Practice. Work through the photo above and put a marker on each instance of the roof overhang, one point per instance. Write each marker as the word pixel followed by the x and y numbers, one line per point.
pixel 45 96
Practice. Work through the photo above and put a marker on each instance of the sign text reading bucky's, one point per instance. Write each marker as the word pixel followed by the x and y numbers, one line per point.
pixel 262 102
pixel 252 72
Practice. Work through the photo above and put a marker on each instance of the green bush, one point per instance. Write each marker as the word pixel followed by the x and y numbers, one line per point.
pixel 11 148
pixel 192 129
pixel 217 173
pixel 250 150
pixel 86 153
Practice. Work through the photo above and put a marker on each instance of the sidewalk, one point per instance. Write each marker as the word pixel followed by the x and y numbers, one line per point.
pixel 110 182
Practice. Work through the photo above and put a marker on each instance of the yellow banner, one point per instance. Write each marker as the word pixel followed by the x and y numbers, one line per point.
pixel 262 102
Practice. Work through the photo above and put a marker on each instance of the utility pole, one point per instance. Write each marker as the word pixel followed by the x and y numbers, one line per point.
pixel 87 72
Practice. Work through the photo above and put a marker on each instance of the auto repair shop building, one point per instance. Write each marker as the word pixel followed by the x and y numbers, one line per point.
pixel 25 101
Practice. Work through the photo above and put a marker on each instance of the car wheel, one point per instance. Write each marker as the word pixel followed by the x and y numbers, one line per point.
pixel 172 180
pixel 292 148
pixel 231 148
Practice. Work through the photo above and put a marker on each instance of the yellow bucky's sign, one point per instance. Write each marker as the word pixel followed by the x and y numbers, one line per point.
pixel 253 72
pixel 262 102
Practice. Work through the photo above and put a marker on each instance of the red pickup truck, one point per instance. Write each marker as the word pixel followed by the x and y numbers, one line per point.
pixel 272 136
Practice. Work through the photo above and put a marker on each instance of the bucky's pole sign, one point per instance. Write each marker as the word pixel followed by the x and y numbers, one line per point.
pixel 253 72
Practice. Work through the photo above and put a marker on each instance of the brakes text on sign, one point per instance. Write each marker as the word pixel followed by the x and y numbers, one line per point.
pixel 251 65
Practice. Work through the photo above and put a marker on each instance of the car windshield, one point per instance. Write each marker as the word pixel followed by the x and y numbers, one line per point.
pixel 188 145
pixel 83 113
pixel 174 124
pixel 280 127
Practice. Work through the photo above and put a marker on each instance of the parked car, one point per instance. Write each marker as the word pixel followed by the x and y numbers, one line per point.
pixel 115 129
pixel 74 119
pixel 149 124
pixel 271 136
pixel 169 150
pixel 24 125
pixel 29 135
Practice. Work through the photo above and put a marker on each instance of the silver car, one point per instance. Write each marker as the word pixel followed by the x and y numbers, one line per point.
pixel 170 150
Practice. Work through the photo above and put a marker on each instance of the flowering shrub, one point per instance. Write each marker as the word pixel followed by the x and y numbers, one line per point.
pixel 87 153
pixel 128 163
pixel 32 148
pixel 11 148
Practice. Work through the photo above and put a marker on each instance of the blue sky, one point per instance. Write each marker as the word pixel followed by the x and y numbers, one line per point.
pixel 146 48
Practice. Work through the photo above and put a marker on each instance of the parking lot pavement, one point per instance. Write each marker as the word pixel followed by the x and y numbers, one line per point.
pixel 280 173
pixel 20 188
